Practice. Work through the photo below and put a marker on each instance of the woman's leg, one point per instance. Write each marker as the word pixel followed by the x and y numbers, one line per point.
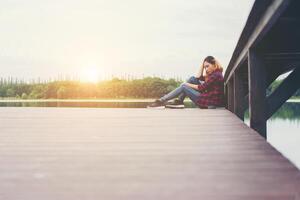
pixel 188 91
pixel 193 94
pixel 192 80
pixel 182 89
pixel 173 94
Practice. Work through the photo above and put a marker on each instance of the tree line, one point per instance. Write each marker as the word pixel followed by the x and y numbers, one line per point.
pixel 148 87
pixel 275 84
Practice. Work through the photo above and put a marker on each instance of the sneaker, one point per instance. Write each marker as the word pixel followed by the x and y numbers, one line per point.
pixel 214 107
pixel 157 104
pixel 211 107
pixel 175 104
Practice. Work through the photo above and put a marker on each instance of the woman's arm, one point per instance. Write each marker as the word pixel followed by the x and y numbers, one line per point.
pixel 208 82
pixel 204 86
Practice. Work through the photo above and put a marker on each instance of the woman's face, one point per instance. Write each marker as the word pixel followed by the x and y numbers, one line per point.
pixel 209 68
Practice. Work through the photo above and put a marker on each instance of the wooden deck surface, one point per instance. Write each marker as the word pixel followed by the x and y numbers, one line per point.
pixel 128 154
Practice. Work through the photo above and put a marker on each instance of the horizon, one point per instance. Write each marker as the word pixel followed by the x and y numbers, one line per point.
pixel 128 77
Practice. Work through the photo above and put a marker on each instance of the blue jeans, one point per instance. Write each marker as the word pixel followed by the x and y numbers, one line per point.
pixel 182 91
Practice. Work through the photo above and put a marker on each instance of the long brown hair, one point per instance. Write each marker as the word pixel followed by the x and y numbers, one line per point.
pixel 213 61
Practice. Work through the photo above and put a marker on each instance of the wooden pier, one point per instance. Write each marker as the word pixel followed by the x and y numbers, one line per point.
pixel 89 153
pixel 148 154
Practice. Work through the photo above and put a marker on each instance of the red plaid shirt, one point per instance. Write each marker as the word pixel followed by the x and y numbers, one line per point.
pixel 212 90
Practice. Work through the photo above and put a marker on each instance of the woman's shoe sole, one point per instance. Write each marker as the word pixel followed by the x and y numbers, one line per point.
pixel 175 106
pixel 158 107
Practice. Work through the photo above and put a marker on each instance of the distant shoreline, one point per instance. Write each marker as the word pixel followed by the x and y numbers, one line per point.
pixel 295 100
pixel 74 100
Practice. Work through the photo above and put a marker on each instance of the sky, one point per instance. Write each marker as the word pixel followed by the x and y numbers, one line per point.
pixel 89 38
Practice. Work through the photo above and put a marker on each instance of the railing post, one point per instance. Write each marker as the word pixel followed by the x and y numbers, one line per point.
pixel 226 96
pixel 238 95
pixel 257 92
pixel 230 93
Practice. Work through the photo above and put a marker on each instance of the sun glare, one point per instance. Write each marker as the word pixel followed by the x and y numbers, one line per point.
pixel 90 75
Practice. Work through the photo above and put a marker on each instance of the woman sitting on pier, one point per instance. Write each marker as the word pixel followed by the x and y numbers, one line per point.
pixel 205 91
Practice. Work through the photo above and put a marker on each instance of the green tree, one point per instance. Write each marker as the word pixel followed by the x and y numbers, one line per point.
pixel 24 96
pixel 10 92
pixel 61 93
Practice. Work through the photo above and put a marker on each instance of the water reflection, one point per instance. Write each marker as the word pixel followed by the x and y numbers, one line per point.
pixel 283 131
pixel 288 111
pixel 82 104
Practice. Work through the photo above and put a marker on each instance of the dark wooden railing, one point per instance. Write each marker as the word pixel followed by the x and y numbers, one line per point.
pixel 268 47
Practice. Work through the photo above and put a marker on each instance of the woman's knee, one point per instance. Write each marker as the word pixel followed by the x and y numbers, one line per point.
pixel 192 79
pixel 184 88
pixel 182 85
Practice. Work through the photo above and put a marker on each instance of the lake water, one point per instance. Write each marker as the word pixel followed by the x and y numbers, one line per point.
pixel 283 129
pixel 136 103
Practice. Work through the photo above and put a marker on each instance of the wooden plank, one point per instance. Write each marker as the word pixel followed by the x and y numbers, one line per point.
pixel 75 153
pixel 257 92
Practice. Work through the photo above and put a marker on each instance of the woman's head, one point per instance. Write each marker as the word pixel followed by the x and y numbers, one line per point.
pixel 210 64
